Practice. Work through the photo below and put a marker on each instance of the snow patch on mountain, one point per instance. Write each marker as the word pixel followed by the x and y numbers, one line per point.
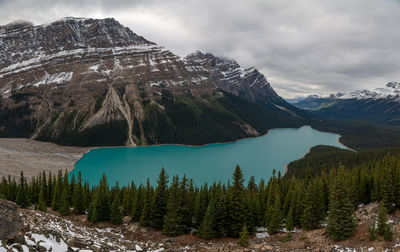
pixel 58 78
pixel 390 91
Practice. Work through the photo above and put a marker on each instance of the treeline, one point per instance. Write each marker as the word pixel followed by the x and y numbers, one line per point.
pixel 323 158
pixel 221 210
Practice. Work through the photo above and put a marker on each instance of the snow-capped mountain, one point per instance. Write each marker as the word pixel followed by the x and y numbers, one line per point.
pixel 390 91
pixel 380 105
pixel 231 77
pixel 94 79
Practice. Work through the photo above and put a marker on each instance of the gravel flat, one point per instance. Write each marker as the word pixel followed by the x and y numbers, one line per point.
pixel 33 157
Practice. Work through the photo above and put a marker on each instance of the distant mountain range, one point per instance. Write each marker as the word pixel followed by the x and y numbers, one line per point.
pixel 380 105
pixel 82 81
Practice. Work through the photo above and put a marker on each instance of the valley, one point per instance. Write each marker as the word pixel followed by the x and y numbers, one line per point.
pixel 258 157
pixel 112 142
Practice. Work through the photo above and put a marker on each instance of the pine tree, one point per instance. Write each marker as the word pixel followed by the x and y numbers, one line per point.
pixel 200 205
pixel 183 219
pixel 103 208
pixel 78 196
pixel 64 202
pixel 146 212
pixel 290 220
pixel 92 215
pixel 372 232
pixel 275 223
pixel 57 191
pixel 137 207
pixel 313 206
pixel 22 196
pixel 207 228
pixel 222 217
pixel 340 219
pixel 126 200
pixel 160 201
pixel 42 203
pixel 116 216
pixel 244 237
pixel 388 235
pixel 237 203
pixel 382 219
pixel 388 187
pixel 170 226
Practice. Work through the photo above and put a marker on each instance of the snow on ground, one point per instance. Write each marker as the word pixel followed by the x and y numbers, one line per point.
pixel 50 243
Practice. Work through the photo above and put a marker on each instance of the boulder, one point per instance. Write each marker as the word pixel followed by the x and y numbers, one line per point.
pixel 10 221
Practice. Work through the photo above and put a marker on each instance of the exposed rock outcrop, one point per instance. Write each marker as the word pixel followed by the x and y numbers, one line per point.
pixel 10 221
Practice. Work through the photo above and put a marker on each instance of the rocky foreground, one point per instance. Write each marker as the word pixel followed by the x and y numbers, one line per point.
pixel 51 232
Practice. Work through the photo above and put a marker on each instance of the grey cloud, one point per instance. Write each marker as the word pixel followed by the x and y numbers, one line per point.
pixel 303 47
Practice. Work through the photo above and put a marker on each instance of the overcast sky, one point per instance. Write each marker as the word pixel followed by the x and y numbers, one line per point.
pixel 303 46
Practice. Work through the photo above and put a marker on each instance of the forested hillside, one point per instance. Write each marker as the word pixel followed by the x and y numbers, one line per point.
pixel 323 158
pixel 176 206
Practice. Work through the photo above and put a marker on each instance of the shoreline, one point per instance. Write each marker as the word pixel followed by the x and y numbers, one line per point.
pixel 285 168
pixel 33 157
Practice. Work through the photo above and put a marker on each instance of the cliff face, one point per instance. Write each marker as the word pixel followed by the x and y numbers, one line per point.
pixel 94 82
pixel 228 75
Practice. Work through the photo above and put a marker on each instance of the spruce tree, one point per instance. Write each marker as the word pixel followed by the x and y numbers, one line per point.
pixel 78 196
pixel 22 196
pixel 92 215
pixel 290 220
pixel 222 217
pixel 137 205
pixel 171 225
pixel 57 191
pixel 275 222
pixel 200 205
pixel 341 221
pixel 64 202
pixel 208 228
pixel 244 237
pixel 42 203
pixel 116 215
pixel 126 200
pixel 103 208
pixel 372 232
pixel 146 212
pixel 388 235
pixel 313 205
pixel 382 219
pixel 237 203
pixel 184 214
pixel 160 201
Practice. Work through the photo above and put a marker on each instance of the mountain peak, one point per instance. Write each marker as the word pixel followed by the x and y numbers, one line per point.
pixel 393 84
pixel 21 40
pixel 232 78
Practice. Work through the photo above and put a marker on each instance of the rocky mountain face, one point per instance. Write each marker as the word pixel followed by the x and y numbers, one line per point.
pixel 81 81
pixel 247 83
pixel 381 105
pixel 228 75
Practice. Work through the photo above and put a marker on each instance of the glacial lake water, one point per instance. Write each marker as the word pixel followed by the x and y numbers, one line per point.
pixel 256 156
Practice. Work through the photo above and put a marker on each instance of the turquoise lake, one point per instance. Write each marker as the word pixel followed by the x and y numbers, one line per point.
pixel 256 156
